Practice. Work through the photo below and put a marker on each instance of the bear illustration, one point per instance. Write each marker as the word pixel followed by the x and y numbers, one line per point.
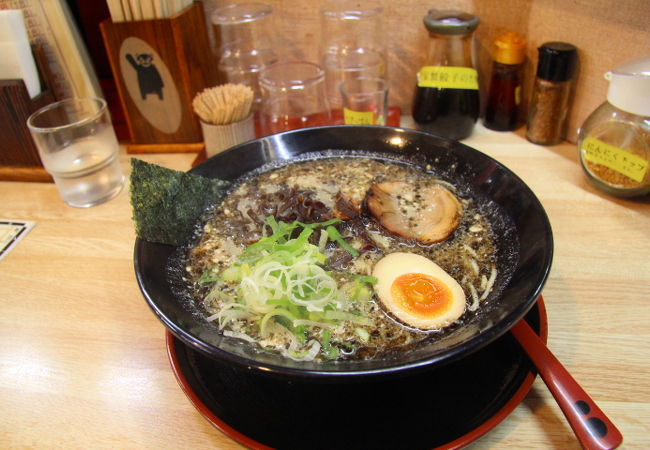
pixel 149 79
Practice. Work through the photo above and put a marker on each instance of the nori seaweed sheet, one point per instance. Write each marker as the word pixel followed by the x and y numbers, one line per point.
pixel 167 204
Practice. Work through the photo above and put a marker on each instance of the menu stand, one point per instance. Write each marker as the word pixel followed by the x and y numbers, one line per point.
pixel 19 159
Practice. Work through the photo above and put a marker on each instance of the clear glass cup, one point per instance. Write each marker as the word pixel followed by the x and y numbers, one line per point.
pixel 352 24
pixel 245 36
pixel 348 65
pixel 352 43
pixel 293 96
pixel 365 101
pixel 78 147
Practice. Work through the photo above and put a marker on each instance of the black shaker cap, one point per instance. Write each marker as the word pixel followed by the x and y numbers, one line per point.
pixel 557 61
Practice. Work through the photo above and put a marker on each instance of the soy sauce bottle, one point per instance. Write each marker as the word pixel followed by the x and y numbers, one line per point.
pixel 446 100
pixel 503 106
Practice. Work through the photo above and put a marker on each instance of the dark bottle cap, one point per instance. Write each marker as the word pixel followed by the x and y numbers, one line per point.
pixel 557 61
pixel 450 22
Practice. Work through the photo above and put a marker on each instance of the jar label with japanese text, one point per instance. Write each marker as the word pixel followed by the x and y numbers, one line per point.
pixel 448 77
pixel 624 162
pixel 351 117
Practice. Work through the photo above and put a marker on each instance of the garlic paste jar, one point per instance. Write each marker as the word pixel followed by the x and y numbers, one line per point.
pixel 614 141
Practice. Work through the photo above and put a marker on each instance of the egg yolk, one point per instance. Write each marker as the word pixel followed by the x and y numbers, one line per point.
pixel 421 295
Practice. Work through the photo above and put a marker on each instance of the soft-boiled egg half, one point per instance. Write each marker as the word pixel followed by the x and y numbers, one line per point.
pixel 418 292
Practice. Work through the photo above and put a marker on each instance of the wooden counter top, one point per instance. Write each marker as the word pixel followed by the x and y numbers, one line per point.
pixel 83 362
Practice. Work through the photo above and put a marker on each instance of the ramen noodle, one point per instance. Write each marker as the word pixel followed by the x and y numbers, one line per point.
pixel 286 260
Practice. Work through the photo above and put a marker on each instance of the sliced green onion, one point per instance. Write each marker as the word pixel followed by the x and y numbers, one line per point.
pixel 363 334
pixel 329 350
pixel 300 332
pixel 232 273
pixel 271 222
pixel 275 312
pixel 336 236
pixel 279 302
pixel 281 280
pixel 332 353
pixel 306 355
pixel 217 293
pixel 322 240
pixel 366 279
pixel 342 315
pixel 312 323
pixel 245 270
pixel 210 275
pixel 319 224
pixel 361 291
pixel 325 338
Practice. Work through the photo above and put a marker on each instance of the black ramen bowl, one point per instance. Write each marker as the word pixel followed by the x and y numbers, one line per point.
pixel 524 240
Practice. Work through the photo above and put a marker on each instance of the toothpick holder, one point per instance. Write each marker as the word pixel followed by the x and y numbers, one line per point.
pixel 221 137
pixel 159 66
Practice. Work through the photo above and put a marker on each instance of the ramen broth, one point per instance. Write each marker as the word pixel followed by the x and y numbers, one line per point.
pixel 316 191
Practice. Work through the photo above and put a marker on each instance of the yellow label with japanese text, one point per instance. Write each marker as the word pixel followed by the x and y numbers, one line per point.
pixel 351 117
pixel 622 161
pixel 518 95
pixel 448 77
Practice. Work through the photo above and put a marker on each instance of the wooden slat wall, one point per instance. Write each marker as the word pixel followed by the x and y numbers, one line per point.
pixel 605 32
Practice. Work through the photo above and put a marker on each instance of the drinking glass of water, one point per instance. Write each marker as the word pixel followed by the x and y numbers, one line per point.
pixel 78 147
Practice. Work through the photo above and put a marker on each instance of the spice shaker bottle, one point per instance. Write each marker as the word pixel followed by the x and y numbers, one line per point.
pixel 550 100
pixel 614 141
pixel 503 107
pixel 446 100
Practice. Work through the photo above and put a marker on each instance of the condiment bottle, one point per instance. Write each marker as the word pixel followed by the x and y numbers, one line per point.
pixel 614 141
pixel 503 107
pixel 446 100
pixel 550 99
